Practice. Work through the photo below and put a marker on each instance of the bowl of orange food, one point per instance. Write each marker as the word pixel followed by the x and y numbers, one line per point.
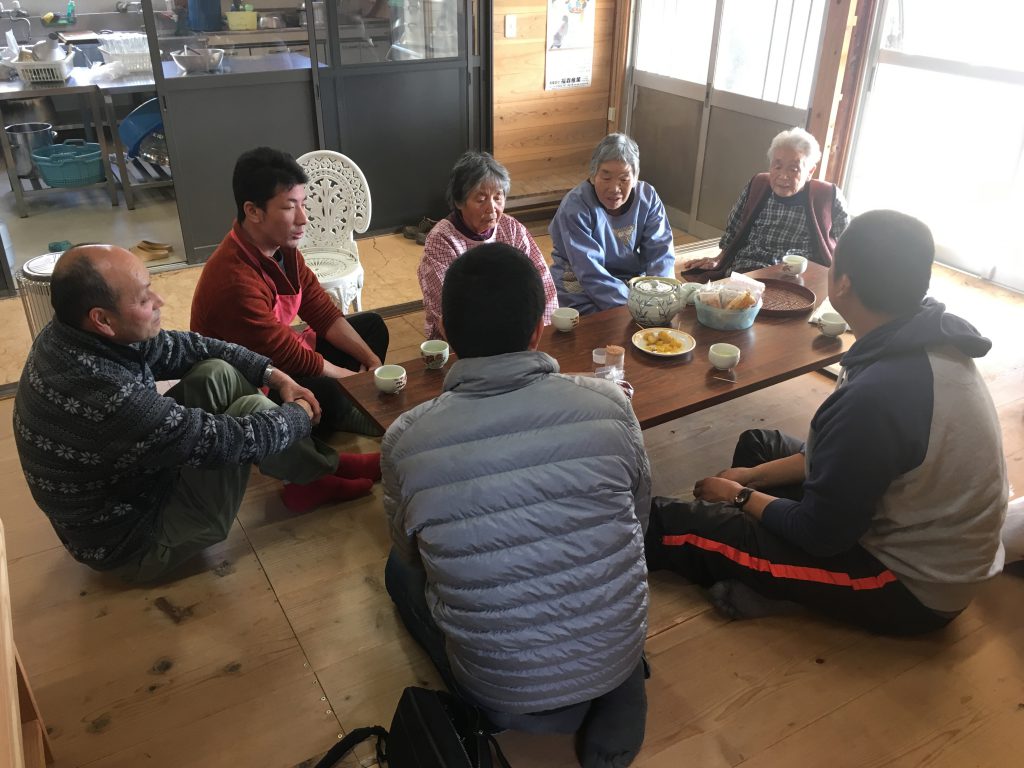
pixel 664 342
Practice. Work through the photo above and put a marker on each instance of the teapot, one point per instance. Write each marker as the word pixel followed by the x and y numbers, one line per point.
pixel 49 49
pixel 654 301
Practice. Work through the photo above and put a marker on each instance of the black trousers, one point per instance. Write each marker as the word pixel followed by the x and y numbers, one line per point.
pixel 339 411
pixel 710 542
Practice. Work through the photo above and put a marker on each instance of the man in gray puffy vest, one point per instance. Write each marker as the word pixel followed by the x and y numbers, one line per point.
pixel 518 500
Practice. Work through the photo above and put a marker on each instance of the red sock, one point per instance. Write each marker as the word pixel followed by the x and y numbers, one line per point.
pixel 357 465
pixel 302 498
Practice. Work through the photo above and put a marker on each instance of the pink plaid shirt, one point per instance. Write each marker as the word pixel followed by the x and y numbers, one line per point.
pixel 445 244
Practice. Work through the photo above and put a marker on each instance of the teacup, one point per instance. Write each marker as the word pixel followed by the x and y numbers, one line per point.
pixel 434 353
pixel 390 379
pixel 724 356
pixel 794 264
pixel 565 318
pixel 832 324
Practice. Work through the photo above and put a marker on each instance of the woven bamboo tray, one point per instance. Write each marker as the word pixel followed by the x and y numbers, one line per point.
pixel 785 298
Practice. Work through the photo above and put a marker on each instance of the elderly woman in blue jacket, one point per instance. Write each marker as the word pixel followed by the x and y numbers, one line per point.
pixel 610 228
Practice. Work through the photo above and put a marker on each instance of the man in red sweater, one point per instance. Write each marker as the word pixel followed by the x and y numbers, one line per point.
pixel 256 283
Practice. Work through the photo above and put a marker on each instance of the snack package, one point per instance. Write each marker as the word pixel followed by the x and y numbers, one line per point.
pixel 735 292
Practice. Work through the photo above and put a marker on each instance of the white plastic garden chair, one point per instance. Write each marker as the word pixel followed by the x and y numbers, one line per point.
pixel 338 205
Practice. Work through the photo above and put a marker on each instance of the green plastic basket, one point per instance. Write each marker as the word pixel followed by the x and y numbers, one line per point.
pixel 74 163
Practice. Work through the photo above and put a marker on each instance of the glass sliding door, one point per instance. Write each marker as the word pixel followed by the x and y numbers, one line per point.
pixel 672 66
pixel 399 84
pixel 707 101
pixel 941 133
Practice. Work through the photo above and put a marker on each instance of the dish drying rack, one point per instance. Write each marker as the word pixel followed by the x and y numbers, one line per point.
pixel 44 71
pixel 130 49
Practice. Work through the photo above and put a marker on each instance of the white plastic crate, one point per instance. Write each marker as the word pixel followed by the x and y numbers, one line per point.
pixel 44 71
pixel 132 62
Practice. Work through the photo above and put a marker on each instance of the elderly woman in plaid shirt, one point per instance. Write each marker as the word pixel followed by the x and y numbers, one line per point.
pixel 780 211
pixel 476 192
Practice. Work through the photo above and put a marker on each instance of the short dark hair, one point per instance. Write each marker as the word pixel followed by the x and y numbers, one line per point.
pixel 888 257
pixel 262 173
pixel 470 170
pixel 76 287
pixel 491 301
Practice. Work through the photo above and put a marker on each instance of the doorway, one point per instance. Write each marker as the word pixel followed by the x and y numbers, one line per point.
pixel 713 81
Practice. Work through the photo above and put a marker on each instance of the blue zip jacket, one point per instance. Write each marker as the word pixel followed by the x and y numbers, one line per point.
pixel 905 458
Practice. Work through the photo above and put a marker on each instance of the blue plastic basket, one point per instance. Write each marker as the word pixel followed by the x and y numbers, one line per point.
pixel 74 163
pixel 138 124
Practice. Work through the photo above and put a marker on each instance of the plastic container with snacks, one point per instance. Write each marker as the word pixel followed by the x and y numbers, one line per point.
pixel 730 304
pixel 722 319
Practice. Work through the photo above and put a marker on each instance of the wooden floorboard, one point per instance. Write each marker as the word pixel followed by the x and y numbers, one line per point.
pixel 282 637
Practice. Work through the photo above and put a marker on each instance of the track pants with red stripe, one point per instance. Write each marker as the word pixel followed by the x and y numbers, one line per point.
pixel 711 542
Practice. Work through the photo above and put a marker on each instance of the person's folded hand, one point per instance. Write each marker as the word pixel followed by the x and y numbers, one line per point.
pixel 705 263
pixel 292 392
pixel 716 489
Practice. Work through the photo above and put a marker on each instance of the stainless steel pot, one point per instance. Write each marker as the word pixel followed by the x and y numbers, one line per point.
pixel 25 138
pixel 271 21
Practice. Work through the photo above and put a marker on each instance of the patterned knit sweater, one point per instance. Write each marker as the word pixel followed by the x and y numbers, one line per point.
pixel 446 243
pixel 101 449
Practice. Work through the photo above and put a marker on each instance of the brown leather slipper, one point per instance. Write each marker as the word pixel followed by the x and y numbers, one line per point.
pixel 152 245
pixel 148 255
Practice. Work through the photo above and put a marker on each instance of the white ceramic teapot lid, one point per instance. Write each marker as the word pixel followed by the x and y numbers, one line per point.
pixel 655 285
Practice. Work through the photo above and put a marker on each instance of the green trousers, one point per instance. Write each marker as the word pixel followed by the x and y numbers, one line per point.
pixel 204 502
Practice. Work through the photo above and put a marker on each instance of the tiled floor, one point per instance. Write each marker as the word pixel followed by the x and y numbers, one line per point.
pixel 86 216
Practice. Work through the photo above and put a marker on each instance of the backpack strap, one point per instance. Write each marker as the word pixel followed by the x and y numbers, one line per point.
pixel 493 742
pixel 354 737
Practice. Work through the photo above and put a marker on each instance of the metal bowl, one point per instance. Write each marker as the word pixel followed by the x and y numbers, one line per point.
pixel 193 60
pixel 153 149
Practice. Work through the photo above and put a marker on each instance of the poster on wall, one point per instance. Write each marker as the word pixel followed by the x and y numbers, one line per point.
pixel 569 62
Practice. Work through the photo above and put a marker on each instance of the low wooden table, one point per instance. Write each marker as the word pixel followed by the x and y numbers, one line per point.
pixel 774 349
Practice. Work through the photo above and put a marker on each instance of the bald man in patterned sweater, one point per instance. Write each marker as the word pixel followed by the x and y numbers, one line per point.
pixel 136 482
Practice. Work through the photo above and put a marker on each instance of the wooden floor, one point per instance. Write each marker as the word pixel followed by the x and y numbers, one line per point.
pixel 281 638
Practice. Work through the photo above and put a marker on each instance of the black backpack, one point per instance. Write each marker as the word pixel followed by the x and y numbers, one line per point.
pixel 430 729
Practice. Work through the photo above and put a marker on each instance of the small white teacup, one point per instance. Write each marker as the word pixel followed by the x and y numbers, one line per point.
pixel 390 379
pixel 724 356
pixel 832 324
pixel 794 264
pixel 565 318
pixel 434 353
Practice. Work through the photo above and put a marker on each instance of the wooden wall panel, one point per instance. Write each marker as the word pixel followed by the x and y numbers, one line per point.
pixel 545 138
pixel 540 113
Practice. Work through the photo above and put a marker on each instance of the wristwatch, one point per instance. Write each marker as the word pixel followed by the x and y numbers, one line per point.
pixel 742 498
pixel 267 373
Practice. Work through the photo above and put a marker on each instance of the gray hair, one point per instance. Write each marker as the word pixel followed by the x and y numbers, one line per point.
pixel 799 141
pixel 471 170
pixel 616 146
